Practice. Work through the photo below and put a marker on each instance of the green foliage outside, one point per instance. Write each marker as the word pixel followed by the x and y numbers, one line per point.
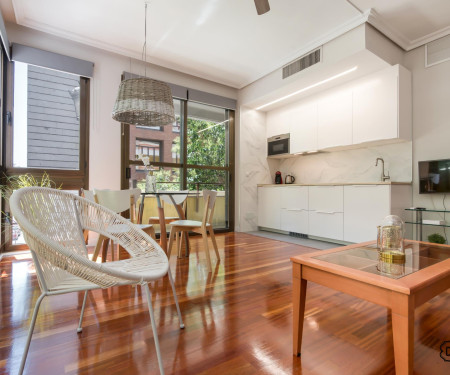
pixel 207 147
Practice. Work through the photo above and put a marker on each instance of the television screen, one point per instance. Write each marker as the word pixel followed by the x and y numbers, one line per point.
pixel 434 176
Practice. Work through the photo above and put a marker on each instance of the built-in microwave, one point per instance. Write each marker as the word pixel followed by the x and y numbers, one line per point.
pixel 278 144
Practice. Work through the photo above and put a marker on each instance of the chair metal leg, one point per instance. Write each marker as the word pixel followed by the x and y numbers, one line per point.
pixel 175 298
pixel 30 332
pixel 79 329
pixel 155 332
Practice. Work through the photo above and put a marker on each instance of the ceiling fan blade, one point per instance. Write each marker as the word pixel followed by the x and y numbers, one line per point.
pixel 262 6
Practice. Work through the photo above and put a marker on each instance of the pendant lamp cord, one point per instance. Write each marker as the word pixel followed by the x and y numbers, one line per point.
pixel 144 48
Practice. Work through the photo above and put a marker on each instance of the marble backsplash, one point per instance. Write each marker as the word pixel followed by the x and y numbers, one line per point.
pixel 356 165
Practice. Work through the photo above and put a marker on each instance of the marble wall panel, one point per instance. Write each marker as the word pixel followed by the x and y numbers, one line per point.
pixel 356 165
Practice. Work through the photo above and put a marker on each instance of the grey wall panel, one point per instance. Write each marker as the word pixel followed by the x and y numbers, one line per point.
pixel 53 128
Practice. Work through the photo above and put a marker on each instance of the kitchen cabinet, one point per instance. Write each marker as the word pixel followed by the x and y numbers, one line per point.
pixel 303 128
pixel 294 209
pixel 382 106
pixel 376 109
pixel 365 206
pixel 349 213
pixel 326 217
pixel 334 123
pixel 277 122
pixel 269 207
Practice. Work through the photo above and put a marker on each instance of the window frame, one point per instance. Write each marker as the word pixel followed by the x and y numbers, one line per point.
pixel 70 179
pixel 126 162
pixel 67 179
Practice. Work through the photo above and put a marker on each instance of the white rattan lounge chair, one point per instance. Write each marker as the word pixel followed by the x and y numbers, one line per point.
pixel 53 222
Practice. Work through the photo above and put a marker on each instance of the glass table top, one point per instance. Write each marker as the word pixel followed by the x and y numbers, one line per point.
pixel 418 256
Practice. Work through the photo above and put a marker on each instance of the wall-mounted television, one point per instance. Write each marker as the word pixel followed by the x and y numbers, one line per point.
pixel 434 176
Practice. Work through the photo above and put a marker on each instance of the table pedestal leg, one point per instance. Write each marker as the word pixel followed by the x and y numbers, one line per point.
pixel 299 298
pixel 403 333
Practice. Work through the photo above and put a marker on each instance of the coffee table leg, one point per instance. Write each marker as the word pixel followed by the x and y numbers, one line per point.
pixel 403 333
pixel 299 297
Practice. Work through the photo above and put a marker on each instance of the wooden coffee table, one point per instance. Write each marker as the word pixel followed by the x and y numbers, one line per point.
pixel 354 270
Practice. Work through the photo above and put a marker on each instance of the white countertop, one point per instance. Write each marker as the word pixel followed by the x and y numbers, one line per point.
pixel 342 183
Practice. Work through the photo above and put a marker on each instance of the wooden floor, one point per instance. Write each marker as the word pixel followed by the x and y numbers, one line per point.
pixel 238 321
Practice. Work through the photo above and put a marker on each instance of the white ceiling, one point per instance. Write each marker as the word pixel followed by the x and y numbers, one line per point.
pixel 225 40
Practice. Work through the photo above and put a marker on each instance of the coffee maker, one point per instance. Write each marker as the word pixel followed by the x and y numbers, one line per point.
pixel 278 178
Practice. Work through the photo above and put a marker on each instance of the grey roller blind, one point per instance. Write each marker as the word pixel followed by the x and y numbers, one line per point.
pixel 3 36
pixel 178 92
pixel 52 60
pixel 211 99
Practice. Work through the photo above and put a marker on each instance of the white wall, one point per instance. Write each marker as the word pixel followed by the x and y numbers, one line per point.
pixel 431 124
pixel 105 133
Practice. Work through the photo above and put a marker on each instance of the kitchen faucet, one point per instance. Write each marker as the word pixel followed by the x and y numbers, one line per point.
pixel 383 176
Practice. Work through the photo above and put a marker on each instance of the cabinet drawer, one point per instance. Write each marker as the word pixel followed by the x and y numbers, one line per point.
pixel 293 220
pixel 326 198
pixel 327 225
pixel 295 197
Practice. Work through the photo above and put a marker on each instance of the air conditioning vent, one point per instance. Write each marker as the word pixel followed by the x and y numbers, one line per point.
pixel 437 51
pixel 302 63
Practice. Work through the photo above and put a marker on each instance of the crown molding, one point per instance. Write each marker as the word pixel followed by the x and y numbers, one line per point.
pixel 377 21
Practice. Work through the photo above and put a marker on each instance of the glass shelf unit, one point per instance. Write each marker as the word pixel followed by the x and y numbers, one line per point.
pixel 418 222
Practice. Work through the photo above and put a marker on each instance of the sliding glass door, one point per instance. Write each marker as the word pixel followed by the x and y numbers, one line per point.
pixel 194 153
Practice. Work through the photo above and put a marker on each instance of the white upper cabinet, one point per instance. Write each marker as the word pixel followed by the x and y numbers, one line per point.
pixel 335 120
pixel 375 109
pixel 379 112
pixel 277 122
pixel 303 128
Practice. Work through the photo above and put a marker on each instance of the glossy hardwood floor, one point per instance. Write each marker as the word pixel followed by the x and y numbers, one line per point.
pixel 238 321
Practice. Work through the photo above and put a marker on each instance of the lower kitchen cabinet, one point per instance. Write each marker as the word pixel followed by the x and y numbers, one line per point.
pixel 294 220
pixel 349 213
pixel 326 224
pixel 294 209
pixel 365 206
pixel 269 207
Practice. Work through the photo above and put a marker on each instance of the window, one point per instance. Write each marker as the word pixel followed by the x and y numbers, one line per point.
pixel 49 132
pixel 46 132
pixel 159 128
pixel 147 147
pixel 194 153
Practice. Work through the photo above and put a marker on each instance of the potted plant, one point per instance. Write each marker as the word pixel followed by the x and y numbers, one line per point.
pixel 436 238
pixel 9 226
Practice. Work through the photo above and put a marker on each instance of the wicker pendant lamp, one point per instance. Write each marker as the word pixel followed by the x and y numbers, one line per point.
pixel 144 101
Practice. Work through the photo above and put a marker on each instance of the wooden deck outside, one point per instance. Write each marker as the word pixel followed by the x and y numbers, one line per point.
pixel 238 321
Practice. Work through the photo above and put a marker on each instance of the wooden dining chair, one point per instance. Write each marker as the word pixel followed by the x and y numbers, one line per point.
pixel 117 201
pixel 203 227
pixel 165 199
